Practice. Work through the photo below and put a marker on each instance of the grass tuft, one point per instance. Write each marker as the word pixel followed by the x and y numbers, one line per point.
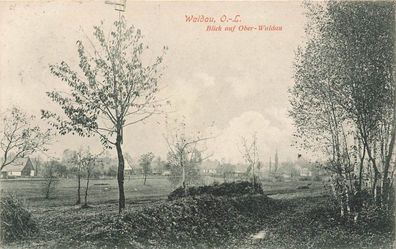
pixel 16 222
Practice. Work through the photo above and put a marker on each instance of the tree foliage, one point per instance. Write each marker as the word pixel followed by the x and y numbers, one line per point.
pixel 343 100
pixel 21 137
pixel 117 88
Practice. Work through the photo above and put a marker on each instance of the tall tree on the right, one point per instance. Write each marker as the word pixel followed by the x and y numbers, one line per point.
pixel 343 100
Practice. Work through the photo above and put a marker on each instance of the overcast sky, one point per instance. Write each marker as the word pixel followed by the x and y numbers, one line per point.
pixel 235 82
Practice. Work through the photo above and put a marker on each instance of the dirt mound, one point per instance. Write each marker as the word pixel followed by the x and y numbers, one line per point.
pixel 188 221
pixel 224 189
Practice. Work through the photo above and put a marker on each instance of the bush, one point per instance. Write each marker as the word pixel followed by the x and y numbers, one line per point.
pixel 317 178
pixel 305 178
pixel 15 221
pixel 279 178
pixel 224 189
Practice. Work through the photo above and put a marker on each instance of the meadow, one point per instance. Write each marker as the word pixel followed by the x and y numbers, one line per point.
pixel 100 191
pixel 291 214
pixel 105 191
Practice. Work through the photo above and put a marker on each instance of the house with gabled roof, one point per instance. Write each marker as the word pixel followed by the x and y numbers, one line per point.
pixel 22 167
pixel 209 167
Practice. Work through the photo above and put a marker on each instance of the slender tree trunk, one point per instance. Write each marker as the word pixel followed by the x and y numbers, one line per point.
pixel 145 176
pixel 183 173
pixel 361 169
pixel 47 194
pixel 342 212
pixel 184 179
pixel 254 177
pixel 86 190
pixel 374 189
pixel 347 200
pixel 386 181
pixel 376 178
pixel 120 175
pixel 78 189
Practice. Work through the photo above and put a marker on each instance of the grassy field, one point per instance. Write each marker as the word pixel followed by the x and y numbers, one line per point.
pixel 290 217
pixel 247 222
pixel 102 191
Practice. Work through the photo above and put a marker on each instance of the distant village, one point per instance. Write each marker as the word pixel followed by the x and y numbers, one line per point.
pixel 272 170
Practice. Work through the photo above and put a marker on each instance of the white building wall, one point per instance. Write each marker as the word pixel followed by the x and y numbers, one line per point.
pixel 14 173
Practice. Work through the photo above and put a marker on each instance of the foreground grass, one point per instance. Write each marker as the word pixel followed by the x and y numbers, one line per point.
pixel 312 222
pixel 207 222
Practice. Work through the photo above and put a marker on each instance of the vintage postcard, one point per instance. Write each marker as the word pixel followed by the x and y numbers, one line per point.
pixel 197 124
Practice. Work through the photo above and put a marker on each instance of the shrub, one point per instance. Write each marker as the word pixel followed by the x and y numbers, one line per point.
pixel 317 178
pixel 224 189
pixel 15 221
pixel 305 178
pixel 279 178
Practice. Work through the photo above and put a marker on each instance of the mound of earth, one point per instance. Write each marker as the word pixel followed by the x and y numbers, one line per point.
pixel 223 189
pixel 186 222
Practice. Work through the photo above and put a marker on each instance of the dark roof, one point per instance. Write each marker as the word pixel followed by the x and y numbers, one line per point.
pixel 16 166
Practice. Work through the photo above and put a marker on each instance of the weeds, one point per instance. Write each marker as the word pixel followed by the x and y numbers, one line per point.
pixel 15 221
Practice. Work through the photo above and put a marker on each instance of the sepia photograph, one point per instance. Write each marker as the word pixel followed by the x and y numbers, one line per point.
pixel 197 124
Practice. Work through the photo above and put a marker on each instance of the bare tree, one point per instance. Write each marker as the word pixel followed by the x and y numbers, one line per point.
pixel 250 154
pixel 226 170
pixel 20 137
pixel 50 178
pixel 145 162
pixel 130 161
pixel 116 91
pixel 89 161
pixel 75 160
pixel 184 149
